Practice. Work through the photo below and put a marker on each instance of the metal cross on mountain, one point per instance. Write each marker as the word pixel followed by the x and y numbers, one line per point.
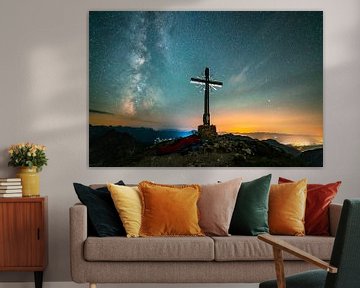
pixel 206 130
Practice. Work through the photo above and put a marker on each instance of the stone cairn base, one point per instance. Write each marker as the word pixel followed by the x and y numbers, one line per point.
pixel 207 131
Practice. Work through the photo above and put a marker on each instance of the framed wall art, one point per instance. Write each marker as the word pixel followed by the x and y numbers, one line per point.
pixel 205 88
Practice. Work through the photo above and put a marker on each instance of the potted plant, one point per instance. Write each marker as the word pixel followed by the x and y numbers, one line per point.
pixel 30 158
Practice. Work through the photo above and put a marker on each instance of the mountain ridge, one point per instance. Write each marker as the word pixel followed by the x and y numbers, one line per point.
pixel 120 146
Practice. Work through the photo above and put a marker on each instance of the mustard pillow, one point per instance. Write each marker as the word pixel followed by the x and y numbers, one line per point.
pixel 127 201
pixel 169 210
pixel 287 204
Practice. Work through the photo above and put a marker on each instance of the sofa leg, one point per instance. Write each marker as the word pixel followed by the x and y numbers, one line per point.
pixel 92 285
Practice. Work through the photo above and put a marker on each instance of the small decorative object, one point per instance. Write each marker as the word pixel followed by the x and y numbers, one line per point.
pixel 30 158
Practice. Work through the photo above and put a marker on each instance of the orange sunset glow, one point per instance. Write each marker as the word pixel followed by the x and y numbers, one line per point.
pixel 305 128
pixel 285 122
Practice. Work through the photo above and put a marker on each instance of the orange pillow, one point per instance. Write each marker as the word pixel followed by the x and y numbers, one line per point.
pixel 169 210
pixel 287 204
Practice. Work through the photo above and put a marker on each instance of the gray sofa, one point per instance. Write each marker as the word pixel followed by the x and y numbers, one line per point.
pixel 234 259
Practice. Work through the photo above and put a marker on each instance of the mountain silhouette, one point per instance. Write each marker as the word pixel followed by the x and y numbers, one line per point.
pixel 312 158
pixel 120 147
pixel 113 148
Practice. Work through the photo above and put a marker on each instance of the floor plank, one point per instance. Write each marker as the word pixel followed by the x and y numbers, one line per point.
pixel 74 285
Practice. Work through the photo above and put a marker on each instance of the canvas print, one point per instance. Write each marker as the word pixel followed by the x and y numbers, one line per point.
pixel 205 88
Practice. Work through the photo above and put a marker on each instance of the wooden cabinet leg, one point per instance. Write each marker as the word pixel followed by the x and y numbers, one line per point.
pixel 38 279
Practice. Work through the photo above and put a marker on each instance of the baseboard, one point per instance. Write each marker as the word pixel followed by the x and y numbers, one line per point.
pixel 74 285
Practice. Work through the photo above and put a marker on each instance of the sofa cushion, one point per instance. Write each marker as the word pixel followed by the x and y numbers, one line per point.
pixel 244 248
pixel 216 205
pixel 287 204
pixel 149 249
pixel 127 201
pixel 102 216
pixel 169 210
pixel 250 215
pixel 318 199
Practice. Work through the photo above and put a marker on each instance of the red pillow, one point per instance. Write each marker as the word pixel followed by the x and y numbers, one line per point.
pixel 319 197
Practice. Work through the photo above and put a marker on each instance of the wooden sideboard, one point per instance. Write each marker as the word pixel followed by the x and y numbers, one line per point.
pixel 23 235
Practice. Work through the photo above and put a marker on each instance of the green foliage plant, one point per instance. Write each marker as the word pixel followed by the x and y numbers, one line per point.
pixel 27 155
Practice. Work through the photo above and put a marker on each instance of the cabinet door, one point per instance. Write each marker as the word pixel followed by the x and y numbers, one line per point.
pixel 21 234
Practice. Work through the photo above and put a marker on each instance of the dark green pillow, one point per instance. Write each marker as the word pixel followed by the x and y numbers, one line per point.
pixel 102 215
pixel 250 216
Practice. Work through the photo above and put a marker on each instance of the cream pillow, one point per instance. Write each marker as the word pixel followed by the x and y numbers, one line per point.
pixel 127 201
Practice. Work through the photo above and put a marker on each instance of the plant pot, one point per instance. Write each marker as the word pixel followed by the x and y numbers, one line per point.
pixel 30 181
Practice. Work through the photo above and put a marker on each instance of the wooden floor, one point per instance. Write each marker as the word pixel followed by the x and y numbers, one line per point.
pixel 74 285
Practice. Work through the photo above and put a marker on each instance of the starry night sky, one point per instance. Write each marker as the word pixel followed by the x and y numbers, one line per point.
pixel 271 64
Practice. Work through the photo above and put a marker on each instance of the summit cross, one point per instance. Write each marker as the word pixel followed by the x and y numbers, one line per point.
pixel 208 83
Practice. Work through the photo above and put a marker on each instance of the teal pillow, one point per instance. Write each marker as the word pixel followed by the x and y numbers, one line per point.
pixel 250 216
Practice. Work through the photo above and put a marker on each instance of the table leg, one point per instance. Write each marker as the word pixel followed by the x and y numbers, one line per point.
pixel 38 279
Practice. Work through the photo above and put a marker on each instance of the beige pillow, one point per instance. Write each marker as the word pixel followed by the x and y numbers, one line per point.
pixel 216 206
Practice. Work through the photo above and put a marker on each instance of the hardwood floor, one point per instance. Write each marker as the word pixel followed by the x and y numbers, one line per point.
pixel 74 285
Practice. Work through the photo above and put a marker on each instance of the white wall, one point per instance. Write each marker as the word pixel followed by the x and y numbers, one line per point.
pixel 44 99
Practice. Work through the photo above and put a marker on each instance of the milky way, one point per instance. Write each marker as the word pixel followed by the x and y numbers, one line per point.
pixel 271 63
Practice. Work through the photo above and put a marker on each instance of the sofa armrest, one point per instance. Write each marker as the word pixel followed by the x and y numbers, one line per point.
pixel 334 217
pixel 78 235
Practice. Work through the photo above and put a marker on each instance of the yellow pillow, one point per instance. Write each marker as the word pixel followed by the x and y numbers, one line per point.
pixel 169 210
pixel 127 201
pixel 287 204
